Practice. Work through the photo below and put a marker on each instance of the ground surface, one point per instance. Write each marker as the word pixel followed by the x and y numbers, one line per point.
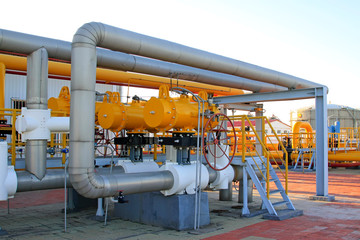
pixel 38 215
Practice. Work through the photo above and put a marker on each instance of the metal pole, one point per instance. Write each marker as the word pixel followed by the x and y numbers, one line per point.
pixel 65 197
pixel 321 142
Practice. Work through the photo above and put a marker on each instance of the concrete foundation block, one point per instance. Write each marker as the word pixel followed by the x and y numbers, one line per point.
pixel 174 212
pixel 329 198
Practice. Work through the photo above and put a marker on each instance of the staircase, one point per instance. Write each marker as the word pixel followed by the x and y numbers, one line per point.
pixel 256 166
pixel 253 149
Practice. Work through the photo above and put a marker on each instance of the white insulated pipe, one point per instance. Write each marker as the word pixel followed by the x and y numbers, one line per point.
pixel 58 124
pixel 8 180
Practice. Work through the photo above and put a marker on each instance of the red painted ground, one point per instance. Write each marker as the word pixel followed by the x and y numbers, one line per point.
pixel 35 198
pixel 304 227
pixel 312 227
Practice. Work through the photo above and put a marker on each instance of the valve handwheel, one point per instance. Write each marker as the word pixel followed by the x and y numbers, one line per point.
pixel 216 142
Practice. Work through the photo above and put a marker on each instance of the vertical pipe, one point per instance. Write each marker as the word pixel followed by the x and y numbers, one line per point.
pixel 226 194
pixel 13 137
pixel 245 210
pixel 36 98
pixel 2 89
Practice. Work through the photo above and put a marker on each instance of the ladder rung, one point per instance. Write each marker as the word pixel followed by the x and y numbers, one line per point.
pixel 271 180
pixel 275 191
pixel 279 203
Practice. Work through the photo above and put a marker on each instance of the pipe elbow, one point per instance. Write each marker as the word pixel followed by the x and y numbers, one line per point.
pixel 90 33
pixel 90 185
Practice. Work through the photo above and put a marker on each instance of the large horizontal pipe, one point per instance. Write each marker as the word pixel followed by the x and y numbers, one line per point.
pixel 109 76
pixel 142 45
pixel 131 182
pixel 54 179
pixel 26 44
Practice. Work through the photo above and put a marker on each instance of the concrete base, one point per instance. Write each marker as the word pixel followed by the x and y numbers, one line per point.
pixel 174 212
pixel 329 198
pixel 76 202
pixel 3 232
pixel 226 194
pixel 284 214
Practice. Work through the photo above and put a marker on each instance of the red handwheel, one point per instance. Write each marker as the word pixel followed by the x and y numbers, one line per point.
pixel 216 141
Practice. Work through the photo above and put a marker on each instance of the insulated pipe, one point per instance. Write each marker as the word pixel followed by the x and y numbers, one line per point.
pixel 26 44
pixel 54 179
pixel 115 77
pixel 130 42
pixel 36 98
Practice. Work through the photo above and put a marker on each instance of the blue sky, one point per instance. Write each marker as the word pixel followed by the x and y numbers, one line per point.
pixel 315 40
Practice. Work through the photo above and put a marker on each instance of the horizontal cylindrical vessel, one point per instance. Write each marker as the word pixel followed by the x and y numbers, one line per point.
pixel 118 116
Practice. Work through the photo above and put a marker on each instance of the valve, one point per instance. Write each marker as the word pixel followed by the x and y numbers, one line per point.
pixel 121 198
pixel 51 151
pixel 64 150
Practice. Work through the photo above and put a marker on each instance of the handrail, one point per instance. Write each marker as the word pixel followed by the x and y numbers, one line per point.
pixel 245 149
pixel 286 156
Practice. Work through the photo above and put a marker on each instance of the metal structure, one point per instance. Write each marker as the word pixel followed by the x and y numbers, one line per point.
pixel 99 45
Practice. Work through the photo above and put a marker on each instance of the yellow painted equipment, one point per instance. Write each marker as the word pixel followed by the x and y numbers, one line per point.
pixel 309 136
pixel 157 115
pixel 165 113
pixel 117 116
pixel 61 103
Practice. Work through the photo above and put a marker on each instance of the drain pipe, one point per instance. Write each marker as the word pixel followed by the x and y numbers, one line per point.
pixel 36 98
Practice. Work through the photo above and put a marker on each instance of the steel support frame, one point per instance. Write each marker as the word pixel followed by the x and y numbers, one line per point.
pixel 320 95
pixel 321 141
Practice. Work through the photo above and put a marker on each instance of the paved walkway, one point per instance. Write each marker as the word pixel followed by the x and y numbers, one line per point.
pixel 38 215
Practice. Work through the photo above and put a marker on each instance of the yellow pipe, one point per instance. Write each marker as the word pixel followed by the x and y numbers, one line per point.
pixel 2 89
pixel 296 131
pixel 111 77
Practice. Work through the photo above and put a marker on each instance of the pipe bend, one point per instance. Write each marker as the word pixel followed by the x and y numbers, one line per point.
pixel 94 185
pixel 91 33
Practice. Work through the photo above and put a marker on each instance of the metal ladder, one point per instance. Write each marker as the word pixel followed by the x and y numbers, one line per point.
pixel 260 185
pixel 300 158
